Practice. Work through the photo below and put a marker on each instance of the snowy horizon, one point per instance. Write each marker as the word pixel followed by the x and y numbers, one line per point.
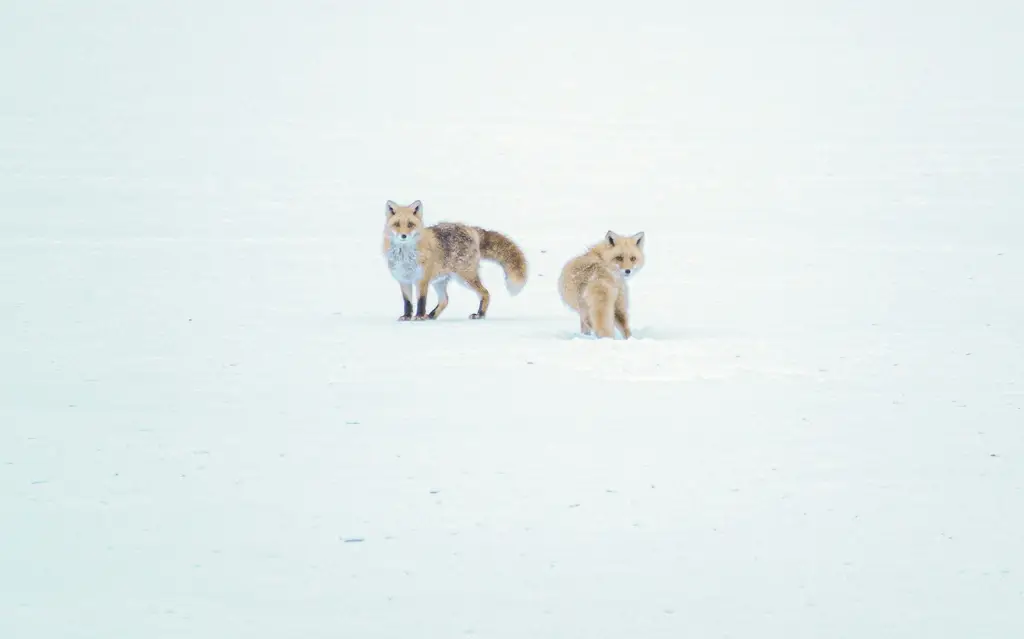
pixel 213 426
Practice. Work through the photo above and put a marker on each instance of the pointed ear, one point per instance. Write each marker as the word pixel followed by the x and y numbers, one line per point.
pixel 417 208
pixel 611 236
pixel 389 208
pixel 639 239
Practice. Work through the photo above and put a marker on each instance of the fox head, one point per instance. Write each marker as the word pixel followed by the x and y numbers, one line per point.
pixel 624 254
pixel 403 223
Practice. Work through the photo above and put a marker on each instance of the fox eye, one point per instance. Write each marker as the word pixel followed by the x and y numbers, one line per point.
pixel 632 259
pixel 618 258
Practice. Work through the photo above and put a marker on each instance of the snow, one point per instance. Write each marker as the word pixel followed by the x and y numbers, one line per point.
pixel 213 426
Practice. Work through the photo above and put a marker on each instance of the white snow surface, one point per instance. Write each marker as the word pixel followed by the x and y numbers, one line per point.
pixel 212 425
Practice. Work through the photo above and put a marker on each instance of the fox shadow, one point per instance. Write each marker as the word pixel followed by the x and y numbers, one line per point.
pixel 659 333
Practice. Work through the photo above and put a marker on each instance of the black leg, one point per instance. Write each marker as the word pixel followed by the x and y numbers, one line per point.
pixel 473 280
pixel 421 307
pixel 407 312
pixel 480 312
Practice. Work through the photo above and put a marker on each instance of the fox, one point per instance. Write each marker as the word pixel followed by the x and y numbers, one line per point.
pixel 419 255
pixel 594 284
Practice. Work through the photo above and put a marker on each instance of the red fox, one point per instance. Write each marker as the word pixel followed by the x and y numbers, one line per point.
pixel 594 284
pixel 418 256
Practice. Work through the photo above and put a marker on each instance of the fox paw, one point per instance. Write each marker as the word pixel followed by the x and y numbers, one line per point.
pixel 404 318
pixel 419 318
pixel 478 316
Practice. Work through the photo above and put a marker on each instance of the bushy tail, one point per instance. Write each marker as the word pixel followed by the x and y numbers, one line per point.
pixel 498 248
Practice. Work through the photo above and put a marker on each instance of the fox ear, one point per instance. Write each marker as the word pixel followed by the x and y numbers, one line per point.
pixel 389 208
pixel 639 239
pixel 611 236
pixel 417 208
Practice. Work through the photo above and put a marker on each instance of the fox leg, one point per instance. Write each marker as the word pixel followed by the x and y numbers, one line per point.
pixel 473 281
pixel 407 298
pixel 584 312
pixel 601 305
pixel 602 319
pixel 421 296
pixel 621 317
pixel 441 290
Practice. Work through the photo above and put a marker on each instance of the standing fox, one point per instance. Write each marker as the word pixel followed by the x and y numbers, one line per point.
pixel 594 284
pixel 418 256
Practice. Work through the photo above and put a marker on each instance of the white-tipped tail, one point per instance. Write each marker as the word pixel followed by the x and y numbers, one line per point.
pixel 514 286
pixel 499 248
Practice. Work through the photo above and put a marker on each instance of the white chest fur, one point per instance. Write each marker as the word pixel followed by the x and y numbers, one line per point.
pixel 403 263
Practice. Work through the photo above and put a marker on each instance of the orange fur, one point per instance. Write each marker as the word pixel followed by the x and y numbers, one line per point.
pixel 433 255
pixel 594 284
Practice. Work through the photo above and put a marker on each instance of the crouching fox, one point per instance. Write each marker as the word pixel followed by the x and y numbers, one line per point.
pixel 419 255
pixel 594 283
